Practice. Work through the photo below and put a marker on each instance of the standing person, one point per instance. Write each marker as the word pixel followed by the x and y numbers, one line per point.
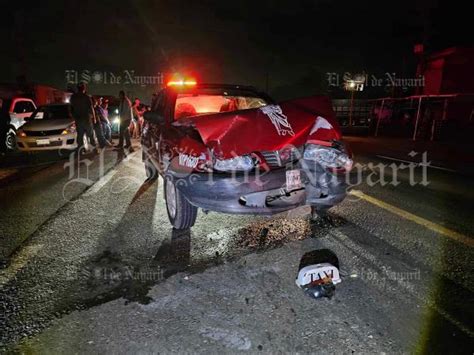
pixel 125 113
pixel 83 111
pixel 136 118
pixel 98 125
pixel 141 119
pixel 106 126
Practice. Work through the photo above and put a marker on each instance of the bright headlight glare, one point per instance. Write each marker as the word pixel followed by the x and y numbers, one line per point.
pixel 327 157
pixel 70 129
pixel 242 163
pixel 116 120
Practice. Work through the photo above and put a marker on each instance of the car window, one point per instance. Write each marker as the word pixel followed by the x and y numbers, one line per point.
pixel 29 106
pixel 18 108
pixel 52 112
pixel 23 107
pixel 200 104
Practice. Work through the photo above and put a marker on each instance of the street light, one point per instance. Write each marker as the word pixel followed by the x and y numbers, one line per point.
pixel 352 85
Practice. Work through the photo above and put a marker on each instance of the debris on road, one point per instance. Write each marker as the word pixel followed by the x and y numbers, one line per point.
pixel 320 288
pixel 319 278
pixel 273 232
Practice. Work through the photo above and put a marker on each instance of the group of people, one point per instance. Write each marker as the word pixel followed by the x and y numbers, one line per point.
pixel 91 116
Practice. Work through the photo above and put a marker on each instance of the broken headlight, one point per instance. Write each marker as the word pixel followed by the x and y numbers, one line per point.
pixel 327 157
pixel 241 163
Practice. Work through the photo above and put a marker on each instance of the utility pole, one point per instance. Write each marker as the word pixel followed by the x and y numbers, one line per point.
pixel 351 108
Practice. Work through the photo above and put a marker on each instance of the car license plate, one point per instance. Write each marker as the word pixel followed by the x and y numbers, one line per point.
pixel 42 142
pixel 293 180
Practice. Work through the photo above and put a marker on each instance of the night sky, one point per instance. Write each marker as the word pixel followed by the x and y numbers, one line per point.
pixel 287 46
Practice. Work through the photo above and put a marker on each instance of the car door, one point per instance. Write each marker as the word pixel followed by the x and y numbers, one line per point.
pixel 152 132
pixel 21 109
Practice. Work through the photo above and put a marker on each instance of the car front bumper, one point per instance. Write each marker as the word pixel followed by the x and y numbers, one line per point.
pixel 56 142
pixel 251 193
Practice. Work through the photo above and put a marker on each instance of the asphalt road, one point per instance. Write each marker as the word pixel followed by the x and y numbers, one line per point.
pixel 97 268
pixel 34 187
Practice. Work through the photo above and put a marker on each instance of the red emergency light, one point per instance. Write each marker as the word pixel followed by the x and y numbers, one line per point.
pixel 188 82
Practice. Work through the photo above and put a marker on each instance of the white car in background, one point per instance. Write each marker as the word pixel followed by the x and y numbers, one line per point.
pixel 19 109
pixel 50 127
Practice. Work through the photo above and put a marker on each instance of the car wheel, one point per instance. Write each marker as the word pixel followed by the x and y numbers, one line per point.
pixel 10 139
pixel 181 213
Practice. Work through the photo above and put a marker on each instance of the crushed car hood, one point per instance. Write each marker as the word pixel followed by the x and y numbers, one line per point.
pixel 268 128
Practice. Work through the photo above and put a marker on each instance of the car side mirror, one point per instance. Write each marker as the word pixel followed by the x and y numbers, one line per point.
pixel 154 117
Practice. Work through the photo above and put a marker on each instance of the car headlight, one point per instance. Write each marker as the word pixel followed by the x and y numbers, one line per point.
pixel 328 157
pixel 116 120
pixel 70 129
pixel 242 163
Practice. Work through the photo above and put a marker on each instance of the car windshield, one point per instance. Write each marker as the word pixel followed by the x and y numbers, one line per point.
pixel 215 101
pixel 53 112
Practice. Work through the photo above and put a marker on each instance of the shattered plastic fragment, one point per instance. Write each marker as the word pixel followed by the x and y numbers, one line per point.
pixel 317 290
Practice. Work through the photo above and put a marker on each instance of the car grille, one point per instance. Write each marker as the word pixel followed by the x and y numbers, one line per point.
pixel 277 158
pixel 43 133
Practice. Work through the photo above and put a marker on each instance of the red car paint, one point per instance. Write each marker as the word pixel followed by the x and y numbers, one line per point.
pixel 242 132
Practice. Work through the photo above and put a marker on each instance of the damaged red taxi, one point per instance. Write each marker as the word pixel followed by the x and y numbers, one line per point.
pixel 232 149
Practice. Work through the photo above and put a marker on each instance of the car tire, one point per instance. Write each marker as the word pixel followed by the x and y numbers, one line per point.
pixel 181 213
pixel 10 140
